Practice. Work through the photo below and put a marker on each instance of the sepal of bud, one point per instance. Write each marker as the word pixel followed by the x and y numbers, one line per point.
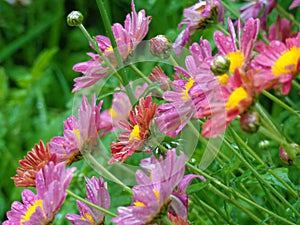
pixel 220 65
pixel 249 122
pixel 75 18
pixel 160 46
pixel 284 156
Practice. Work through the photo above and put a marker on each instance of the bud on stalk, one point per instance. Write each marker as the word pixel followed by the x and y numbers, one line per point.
pixel 160 46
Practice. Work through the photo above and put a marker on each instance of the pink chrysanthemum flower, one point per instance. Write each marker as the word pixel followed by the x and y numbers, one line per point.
pixel 154 192
pixel 137 130
pixel 189 95
pixel 119 109
pixel 35 160
pixel 96 191
pixel 198 16
pixel 237 96
pixel 254 7
pixel 79 135
pixel 158 75
pixel 127 38
pixel 240 55
pixel 40 208
pixel 277 63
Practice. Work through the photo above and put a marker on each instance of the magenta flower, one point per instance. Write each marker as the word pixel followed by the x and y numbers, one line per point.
pixel 79 135
pixel 240 55
pixel 119 109
pixel 198 17
pixel 190 95
pixel 236 98
pixel 136 131
pixel 33 162
pixel 96 191
pixel 40 208
pixel 153 194
pixel 277 63
pixel 294 4
pixel 254 7
pixel 127 38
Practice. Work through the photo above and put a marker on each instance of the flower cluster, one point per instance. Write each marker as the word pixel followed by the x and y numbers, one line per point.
pixel 216 85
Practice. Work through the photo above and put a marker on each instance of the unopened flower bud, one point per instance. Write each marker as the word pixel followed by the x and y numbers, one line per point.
pixel 75 18
pixel 264 144
pixel 284 156
pixel 249 122
pixel 160 46
pixel 220 65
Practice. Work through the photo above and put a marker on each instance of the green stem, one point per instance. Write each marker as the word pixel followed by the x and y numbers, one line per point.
pixel 265 118
pixel 106 173
pixel 259 177
pixel 215 209
pixel 203 208
pixel 281 103
pixel 98 50
pixel 90 204
pixel 258 159
pixel 284 13
pixel 166 221
pixel 295 84
pixel 110 34
pixel 173 61
pixel 224 31
pixel 140 73
pixel 237 194
pixel 231 10
pixel 118 57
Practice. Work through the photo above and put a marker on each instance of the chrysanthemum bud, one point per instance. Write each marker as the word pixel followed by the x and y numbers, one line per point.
pixel 220 65
pixel 249 122
pixel 75 18
pixel 160 46
pixel 284 156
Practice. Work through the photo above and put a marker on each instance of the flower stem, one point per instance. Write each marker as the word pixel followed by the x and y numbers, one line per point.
pixel 281 103
pixel 166 220
pixel 108 29
pixel 258 159
pixel 90 204
pixel 95 45
pixel 106 173
pixel 295 84
pixel 265 118
pixel 283 12
pixel 140 73
pixel 118 57
pixel 237 194
pixel 260 178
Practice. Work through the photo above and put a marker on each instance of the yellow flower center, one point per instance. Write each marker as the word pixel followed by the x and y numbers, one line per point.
pixel 236 97
pixel 88 217
pixel 77 133
pixel 157 194
pixel 287 62
pixel 139 204
pixel 113 113
pixel 135 133
pixel 185 92
pixel 109 49
pixel 223 79
pixel 31 210
pixel 236 61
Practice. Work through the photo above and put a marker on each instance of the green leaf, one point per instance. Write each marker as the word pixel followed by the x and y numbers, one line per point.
pixel 42 62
